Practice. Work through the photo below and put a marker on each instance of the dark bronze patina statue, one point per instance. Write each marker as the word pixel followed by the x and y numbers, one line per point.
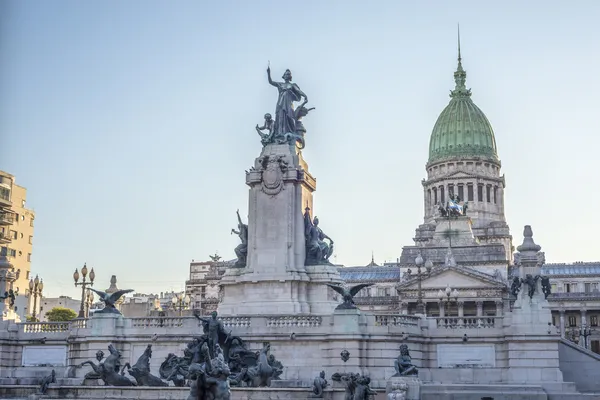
pixel 403 364
pixel 348 294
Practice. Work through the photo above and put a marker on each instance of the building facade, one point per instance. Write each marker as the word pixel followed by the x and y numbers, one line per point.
pixel 16 239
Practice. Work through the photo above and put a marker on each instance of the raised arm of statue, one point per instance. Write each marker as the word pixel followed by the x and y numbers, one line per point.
pixel 239 218
pixel 269 77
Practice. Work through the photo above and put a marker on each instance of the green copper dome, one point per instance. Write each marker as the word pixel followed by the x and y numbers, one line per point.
pixel 462 129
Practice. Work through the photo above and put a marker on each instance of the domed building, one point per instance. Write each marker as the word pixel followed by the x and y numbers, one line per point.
pixel 463 161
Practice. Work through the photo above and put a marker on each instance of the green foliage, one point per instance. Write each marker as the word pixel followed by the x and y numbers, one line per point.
pixel 30 318
pixel 58 314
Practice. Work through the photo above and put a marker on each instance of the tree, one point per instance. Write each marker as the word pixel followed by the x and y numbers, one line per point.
pixel 58 314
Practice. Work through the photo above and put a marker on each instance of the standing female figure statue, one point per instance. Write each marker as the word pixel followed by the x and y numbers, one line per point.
pixel 285 117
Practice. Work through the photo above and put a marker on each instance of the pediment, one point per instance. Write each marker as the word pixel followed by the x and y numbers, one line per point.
pixel 456 277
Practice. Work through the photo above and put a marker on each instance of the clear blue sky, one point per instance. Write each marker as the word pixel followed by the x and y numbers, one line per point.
pixel 131 123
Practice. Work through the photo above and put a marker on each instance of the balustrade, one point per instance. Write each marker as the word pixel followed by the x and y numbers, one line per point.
pixel 236 322
pixel 157 322
pixel 467 322
pixel 44 327
pixel 396 320
pixel 284 321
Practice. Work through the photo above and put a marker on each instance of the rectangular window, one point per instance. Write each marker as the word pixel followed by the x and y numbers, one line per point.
pixel 495 194
pixel 572 320
pixel 461 192
pixel 553 287
pixel 588 287
pixel 450 190
pixel 574 287
pixel 470 192
pixel 594 287
pixel 480 192
pixel 13 235
pixel 12 253
pixel 4 251
pixel 594 320
pixel 442 196
pixel 429 195
pixel 16 217
pixel 31 222
pixel 27 276
pixel 28 257
pixel 554 320
pixel 567 288
pixel 596 346
pixel 488 193
pixel 30 239
pixel 435 201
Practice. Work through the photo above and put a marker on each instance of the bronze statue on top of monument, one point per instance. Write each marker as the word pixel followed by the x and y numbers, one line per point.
pixel 287 127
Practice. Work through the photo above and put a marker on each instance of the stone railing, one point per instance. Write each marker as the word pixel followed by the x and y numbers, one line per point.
pixel 44 327
pixel 468 322
pixel 284 321
pixel 236 322
pixel 157 322
pixel 396 320
pixel 80 323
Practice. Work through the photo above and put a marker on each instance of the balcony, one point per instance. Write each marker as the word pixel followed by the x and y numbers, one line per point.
pixel 5 238
pixel 5 197
pixel 6 218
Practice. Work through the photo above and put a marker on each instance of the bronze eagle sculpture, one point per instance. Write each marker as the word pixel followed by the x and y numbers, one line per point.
pixel 348 294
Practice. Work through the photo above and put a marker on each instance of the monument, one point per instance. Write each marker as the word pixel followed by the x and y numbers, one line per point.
pixel 283 261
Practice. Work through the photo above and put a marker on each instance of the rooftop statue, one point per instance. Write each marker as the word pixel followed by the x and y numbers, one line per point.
pixel 348 294
pixel 109 300
pixel 453 208
pixel 318 250
pixel 286 127
pixel 241 251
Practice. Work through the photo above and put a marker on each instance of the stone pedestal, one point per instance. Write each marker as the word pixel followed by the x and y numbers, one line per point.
pixel 403 388
pixel 275 280
pixel 462 234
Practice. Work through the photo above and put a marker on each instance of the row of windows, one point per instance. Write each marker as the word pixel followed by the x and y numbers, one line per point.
pixel 21 218
pixel 14 235
pixel 587 287
pixel 491 193
pixel 572 320
pixel 8 252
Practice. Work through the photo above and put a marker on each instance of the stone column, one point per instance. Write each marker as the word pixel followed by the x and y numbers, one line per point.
pixel 583 317
pixel 461 308
pixel 442 310
pixel 499 307
pixel 479 305
pixel 562 323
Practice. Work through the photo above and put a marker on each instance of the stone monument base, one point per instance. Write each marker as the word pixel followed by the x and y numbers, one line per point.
pixel 403 388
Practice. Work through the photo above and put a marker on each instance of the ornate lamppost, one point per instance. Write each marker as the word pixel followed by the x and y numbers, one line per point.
pixel 181 301
pixel 420 309
pixel 446 296
pixel 84 284
pixel 35 289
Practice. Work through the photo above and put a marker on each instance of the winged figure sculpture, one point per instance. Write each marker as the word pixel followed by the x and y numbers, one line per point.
pixel 109 300
pixel 348 294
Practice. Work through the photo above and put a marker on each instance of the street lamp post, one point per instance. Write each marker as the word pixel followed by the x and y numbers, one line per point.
pixel 420 309
pixel 585 332
pixel 84 284
pixel 181 301
pixel 446 296
pixel 35 289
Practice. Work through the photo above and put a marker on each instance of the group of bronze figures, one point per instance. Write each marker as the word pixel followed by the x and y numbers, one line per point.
pixel 210 364
pixel 452 207
pixel 531 282
pixel 287 127
pixel 319 246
